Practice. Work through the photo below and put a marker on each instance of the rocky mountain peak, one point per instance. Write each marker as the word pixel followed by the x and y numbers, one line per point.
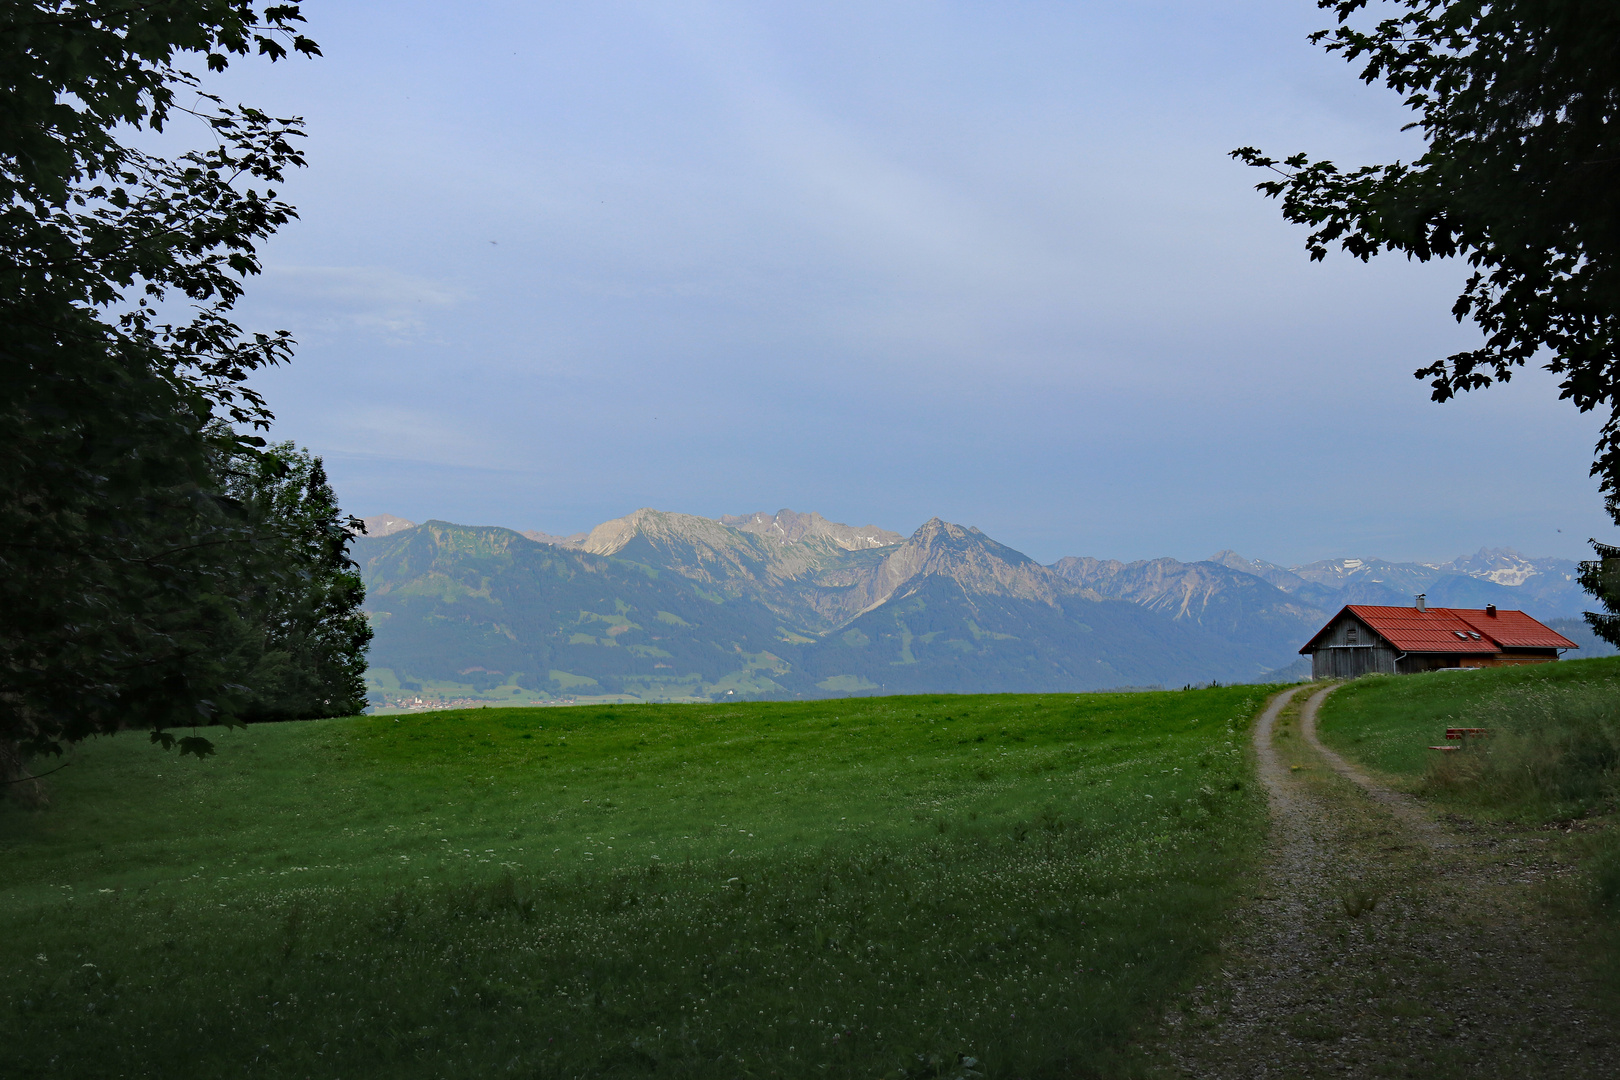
pixel 657 526
pixel 974 561
pixel 790 527
pixel 1401 578
pixel 1268 572
pixel 1233 561
pixel 1508 567
pixel 386 525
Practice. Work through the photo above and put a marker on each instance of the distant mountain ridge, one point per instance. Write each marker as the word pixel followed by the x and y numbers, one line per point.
pixel 658 604
pixel 555 541
pixel 1223 592
pixel 1237 605
pixel 787 527
pixel 662 604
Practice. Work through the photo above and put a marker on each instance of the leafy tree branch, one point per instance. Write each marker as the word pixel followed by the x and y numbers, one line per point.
pixel 1519 106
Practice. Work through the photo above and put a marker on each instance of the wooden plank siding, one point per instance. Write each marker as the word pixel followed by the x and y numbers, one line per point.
pixel 1372 639
pixel 1352 649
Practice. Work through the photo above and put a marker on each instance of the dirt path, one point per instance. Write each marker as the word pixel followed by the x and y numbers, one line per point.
pixel 1403 808
pixel 1382 942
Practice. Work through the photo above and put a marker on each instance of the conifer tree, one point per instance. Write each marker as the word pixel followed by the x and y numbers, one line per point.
pixel 1601 578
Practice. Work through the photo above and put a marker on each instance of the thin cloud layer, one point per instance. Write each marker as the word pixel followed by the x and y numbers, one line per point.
pixel 884 263
pixel 373 301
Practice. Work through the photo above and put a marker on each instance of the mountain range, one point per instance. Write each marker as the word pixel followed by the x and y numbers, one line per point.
pixel 670 606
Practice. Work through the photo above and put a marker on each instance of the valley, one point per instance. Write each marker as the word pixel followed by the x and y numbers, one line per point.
pixel 660 606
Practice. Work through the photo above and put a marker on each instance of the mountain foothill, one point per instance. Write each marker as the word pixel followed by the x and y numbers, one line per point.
pixel 674 607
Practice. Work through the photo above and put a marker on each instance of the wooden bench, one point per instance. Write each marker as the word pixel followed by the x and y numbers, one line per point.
pixel 1459 733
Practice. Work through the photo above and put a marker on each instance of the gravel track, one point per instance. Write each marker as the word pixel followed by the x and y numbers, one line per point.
pixel 1382 942
pixel 1420 825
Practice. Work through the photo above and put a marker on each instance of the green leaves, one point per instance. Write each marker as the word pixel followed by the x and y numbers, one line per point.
pixel 127 570
pixel 1519 104
pixel 306 643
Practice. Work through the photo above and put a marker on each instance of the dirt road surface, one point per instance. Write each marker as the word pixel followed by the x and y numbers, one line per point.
pixel 1384 942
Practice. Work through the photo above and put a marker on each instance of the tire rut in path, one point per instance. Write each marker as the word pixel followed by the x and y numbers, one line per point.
pixel 1383 943
pixel 1403 807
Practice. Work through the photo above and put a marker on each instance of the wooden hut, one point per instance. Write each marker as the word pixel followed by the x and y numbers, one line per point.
pixel 1363 639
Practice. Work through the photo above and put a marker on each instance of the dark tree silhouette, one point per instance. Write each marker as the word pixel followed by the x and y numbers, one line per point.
pixel 1519 103
pixel 124 561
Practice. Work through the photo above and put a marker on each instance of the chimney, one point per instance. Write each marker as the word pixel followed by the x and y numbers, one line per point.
pixel 1422 602
pixel 1490 611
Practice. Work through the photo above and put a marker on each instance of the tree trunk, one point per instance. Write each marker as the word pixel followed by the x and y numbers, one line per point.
pixel 20 785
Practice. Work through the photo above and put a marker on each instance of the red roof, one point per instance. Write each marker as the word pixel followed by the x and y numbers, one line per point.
pixel 1452 630
pixel 1515 630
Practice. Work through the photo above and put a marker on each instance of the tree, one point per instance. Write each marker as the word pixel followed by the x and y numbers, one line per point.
pixel 304 655
pixel 1601 578
pixel 122 377
pixel 1519 103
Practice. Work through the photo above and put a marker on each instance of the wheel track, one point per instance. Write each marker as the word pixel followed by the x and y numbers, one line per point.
pixel 1404 807
pixel 1454 973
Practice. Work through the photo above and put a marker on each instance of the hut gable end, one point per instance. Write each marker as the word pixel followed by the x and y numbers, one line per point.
pixel 1348 632
pixel 1349 646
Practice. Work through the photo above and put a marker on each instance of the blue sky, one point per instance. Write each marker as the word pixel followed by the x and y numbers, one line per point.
pixel 983 261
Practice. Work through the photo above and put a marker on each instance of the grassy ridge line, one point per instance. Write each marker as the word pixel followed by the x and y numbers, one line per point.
pixel 847 888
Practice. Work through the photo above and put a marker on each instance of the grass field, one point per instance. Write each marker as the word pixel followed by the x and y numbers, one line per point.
pixel 927 886
pixel 1551 763
pixel 1390 723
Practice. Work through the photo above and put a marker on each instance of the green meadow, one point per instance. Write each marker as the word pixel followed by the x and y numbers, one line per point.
pixel 1551 761
pixel 1003 886
pixel 1553 751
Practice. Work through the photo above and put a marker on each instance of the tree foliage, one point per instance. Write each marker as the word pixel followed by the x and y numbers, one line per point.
pixel 1601 578
pixel 303 654
pixel 125 560
pixel 1519 104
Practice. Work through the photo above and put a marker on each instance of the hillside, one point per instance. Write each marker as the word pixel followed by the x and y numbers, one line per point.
pixel 804 889
pixel 667 606
pixel 480 609
pixel 1238 606
pixel 675 607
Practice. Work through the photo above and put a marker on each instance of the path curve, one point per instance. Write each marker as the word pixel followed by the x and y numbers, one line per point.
pixel 1402 806
pixel 1272 773
pixel 1379 942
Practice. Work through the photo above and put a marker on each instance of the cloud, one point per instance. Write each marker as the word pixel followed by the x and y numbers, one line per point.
pixel 415 433
pixel 374 300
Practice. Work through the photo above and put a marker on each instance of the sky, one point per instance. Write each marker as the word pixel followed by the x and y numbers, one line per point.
pixel 987 262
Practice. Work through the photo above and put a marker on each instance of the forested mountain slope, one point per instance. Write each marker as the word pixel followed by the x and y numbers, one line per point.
pixel 662 605
pixel 671 606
